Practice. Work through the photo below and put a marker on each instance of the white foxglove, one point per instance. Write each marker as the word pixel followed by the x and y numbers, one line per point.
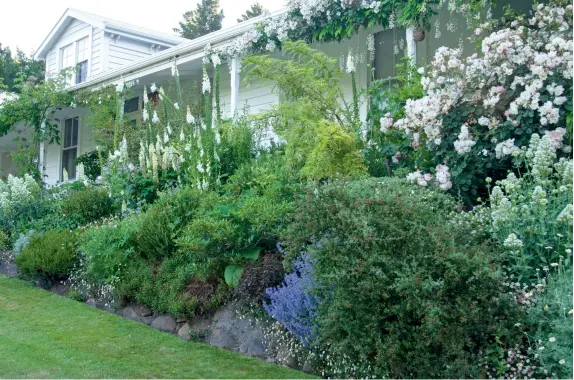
pixel 205 84
pixel 189 117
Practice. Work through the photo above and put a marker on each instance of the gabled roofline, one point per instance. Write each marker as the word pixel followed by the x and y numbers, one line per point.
pixel 185 49
pixel 107 26
pixel 42 51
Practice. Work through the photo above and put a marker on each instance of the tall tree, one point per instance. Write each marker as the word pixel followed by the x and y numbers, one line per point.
pixel 14 68
pixel 255 10
pixel 206 18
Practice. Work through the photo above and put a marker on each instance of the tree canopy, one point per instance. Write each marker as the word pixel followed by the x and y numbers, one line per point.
pixel 255 10
pixel 17 68
pixel 206 18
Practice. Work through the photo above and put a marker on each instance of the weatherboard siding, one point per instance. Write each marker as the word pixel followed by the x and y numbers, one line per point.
pixel 123 51
pixel 97 48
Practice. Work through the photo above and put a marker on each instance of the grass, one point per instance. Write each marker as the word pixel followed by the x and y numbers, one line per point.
pixel 43 335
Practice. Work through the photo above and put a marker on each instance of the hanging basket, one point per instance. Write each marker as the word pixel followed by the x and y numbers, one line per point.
pixel 419 34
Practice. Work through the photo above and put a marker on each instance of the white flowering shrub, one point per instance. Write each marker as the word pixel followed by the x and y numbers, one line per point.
pixel 479 111
pixel 530 216
pixel 17 192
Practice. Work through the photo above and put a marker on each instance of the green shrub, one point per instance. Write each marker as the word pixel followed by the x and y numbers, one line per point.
pixel 51 255
pixel 266 174
pixel 91 161
pixel 170 287
pixel 230 232
pixel 163 221
pixel 406 293
pixel 87 205
pixel 335 154
pixel 106 248
pixel 238 145
pixel 552 318
pixel 4 239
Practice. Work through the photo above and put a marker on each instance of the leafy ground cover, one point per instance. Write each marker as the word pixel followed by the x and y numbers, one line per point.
pixel 43 335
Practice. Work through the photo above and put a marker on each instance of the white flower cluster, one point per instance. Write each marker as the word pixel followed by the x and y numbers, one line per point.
pixel 17 192
pixel 442 178
pixel 513 242
pixel 386 122
pixel 421 179
pixel 280 26
pixel 506 148
pixel 516 200
pixel 206 83
pixel 532 62
pixel 464 143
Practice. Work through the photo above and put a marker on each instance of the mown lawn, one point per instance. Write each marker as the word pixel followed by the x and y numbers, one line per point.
pixel 44 335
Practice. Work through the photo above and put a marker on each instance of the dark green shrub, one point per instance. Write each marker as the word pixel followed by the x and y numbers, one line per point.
pixel 91 161
pixel 163 221
pixel 405 292
pixel 238 145
pixel 51 255
pixel 87 205
pixel 170 287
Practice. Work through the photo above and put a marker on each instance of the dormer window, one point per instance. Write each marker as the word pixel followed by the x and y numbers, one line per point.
pixel 75 55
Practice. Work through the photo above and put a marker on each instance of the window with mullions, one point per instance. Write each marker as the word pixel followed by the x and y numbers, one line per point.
pixel 82 60
pixel 132 105
pixel 390 48
pixel 70 146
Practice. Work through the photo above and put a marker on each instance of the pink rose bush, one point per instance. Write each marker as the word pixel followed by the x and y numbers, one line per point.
pixel 478 112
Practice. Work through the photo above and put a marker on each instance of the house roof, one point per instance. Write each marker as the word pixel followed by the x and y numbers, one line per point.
pixel 118 27
pixel 189 50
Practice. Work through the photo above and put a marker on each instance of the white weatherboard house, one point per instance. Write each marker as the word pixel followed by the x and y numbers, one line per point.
pixel 106 51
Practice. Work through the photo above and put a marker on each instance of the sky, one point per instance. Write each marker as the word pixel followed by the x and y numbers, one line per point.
pixel 25 23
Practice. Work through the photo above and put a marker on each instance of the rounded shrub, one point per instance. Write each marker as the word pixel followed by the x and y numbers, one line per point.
pixel 163 221
pixel 88 205
pixel 405 291
pixel 51 255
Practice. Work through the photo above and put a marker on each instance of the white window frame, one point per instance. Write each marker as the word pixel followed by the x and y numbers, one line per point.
pixel 86 52
pixel 63 141
pixel 74 39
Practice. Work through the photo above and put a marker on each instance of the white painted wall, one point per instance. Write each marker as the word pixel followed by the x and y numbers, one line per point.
pixel 122 51
pixel 53 152
pixel 97 51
